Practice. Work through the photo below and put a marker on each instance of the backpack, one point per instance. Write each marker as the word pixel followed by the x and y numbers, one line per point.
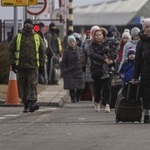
pixel 55 71
pixel 82 59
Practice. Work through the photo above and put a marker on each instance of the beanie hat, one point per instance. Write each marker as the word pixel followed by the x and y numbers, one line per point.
pixel 126 33
pixel 51 25
pixel 109 35
pixel 113 28
pixel 134 31
pixel 28 21
pixel 94 28
pixel 145 22
pixel 71 38
pixel 131 51
pixel 76 35
pixel 87 32
pixel 69 32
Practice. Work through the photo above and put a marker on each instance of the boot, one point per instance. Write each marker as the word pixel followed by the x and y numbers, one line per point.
pixel 146 119
pixel 33 106
pixel 26 108
pixel 73 96
pixel 78 95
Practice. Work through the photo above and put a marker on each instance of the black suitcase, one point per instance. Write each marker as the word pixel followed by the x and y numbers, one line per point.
pixel 114 92
pixel 129 107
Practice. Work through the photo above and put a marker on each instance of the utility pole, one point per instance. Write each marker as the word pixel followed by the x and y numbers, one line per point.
pixel 71 15
pixel 15 20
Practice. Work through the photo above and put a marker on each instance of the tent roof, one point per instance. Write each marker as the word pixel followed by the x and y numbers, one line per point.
pixel 119 12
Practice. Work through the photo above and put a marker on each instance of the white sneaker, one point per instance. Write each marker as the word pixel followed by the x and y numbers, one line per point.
pixel 97 108
pixel 107 108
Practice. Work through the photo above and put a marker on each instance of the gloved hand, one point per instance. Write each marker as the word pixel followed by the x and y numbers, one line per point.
pixel 53 54
pixel 14 68
pixel 41 69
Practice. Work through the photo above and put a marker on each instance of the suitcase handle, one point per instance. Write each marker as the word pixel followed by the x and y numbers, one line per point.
pixel 137 82
pixel 128 91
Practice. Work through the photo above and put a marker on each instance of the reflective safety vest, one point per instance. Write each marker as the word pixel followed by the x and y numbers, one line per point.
pixel 37 44
pixel 59 43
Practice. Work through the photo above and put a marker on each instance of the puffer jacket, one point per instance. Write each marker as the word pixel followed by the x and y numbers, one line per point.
pixel 95 52
pixel 142 67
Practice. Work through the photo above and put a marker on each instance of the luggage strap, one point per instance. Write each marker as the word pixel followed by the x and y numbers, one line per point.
pixel 128 69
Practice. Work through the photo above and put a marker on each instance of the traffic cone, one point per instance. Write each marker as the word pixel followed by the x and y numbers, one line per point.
pixel 12 92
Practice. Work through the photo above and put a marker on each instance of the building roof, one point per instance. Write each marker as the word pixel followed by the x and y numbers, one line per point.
pixel 119 12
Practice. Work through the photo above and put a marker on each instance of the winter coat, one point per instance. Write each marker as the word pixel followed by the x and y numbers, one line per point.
pixel 27 58
pixel 132 44
pixel 65 41
pixel 95 52
pixel 120 52
pixel 129 73
pixel 142 66
pixel 72 71
pixel 53 47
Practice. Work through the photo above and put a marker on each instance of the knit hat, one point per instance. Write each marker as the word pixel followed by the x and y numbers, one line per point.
pixel 51 25
pixel 110 35
pixel 76 35
pixel 87 32
pixel 113 28
pixel 71 38
pixel 94 28
pixel 126 33
pixel 28 21
pixel 134 31
pixel 131 51
pixel 145 22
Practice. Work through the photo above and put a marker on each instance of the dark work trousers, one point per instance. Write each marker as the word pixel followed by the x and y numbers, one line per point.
pixel 48 65
pixel 98 84
pixel 75 94
pixel 107 89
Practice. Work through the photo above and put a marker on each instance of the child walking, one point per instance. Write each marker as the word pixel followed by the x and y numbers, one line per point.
pixel 126 71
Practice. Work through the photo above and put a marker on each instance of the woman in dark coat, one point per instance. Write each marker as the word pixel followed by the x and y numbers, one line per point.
pixel 72 71
pixel 95 52
pixel 142 66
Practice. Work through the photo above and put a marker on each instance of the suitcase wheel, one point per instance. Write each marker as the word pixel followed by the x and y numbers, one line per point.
pixel 117 120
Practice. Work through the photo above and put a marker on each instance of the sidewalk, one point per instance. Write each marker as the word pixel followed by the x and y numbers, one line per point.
pixel 51 95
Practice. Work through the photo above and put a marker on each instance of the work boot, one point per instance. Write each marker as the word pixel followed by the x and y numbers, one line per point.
pixel 78 95
pixel 146 119
pixel 73 96
pixel 26 108
pixel 33 106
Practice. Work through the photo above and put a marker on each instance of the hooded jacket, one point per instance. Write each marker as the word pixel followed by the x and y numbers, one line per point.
pixel 133 44
pixel 53 47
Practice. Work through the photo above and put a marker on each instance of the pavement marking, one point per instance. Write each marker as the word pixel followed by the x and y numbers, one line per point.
pixel 11 115
pixel 2 117
pixel 81 118
pixel 48 109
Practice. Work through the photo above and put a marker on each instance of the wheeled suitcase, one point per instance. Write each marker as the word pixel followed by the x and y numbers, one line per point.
pixel 129 107
pixel 114 91
pixel 86 94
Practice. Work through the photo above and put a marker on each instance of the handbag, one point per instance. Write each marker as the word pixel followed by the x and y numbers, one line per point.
pixel 82 59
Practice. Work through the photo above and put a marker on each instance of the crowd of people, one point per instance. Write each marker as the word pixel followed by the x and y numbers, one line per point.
pixel 107 52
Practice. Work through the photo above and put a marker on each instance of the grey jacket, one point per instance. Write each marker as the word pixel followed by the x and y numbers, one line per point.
pixel 88 77
pixel 53 47
pixel 72 71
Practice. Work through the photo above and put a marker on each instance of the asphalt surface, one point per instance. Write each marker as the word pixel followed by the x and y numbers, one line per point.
pixel 73 127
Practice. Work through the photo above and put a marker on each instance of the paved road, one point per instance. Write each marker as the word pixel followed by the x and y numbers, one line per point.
pixel 73 127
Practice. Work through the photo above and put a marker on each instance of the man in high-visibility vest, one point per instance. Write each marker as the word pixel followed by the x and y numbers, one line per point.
pixel 27 54
pixel 57 31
